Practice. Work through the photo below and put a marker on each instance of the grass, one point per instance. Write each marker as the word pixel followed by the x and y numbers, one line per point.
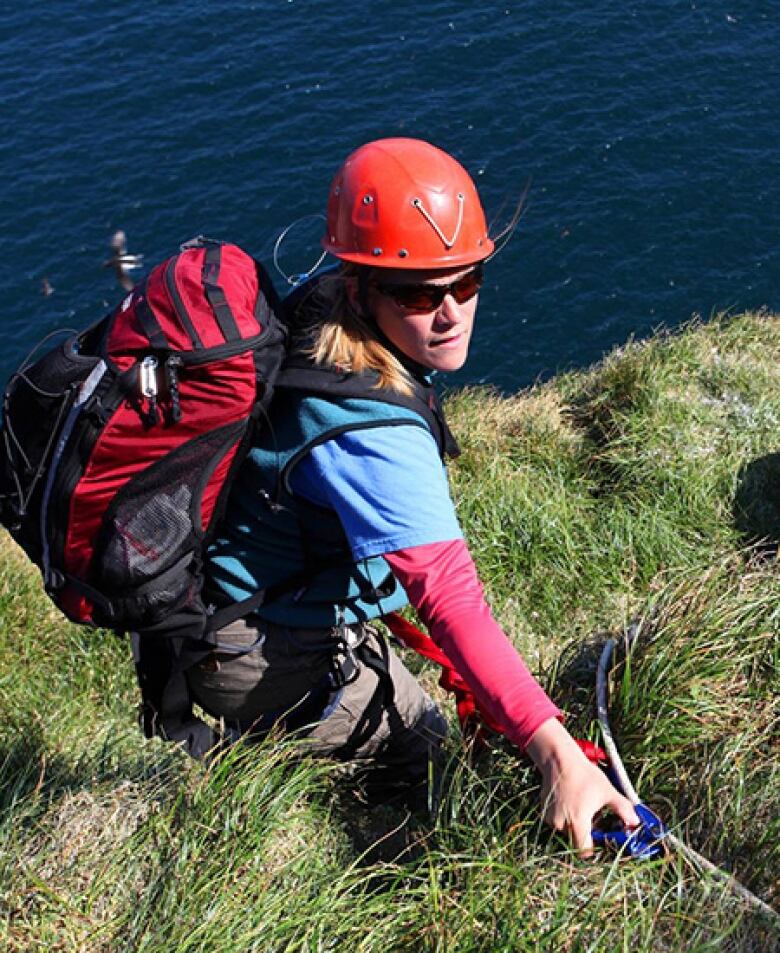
pixel 642 491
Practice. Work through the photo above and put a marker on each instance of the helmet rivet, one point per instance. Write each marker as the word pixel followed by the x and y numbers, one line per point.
pixel 402 253
pixel 376 252
pixel 368 199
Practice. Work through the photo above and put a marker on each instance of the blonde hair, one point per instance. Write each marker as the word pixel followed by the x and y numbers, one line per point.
pixel 346 341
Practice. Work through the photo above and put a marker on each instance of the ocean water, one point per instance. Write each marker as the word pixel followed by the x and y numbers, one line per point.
pixel 645 133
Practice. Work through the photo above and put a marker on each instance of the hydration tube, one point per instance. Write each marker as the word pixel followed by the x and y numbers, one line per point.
pixel 623 783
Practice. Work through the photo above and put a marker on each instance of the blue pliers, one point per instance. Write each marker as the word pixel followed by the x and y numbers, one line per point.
pixel 643 842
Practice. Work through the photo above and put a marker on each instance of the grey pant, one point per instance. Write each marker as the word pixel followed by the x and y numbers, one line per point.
pixel 385 718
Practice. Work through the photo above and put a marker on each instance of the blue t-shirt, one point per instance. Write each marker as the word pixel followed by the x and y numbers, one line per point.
pixel 382 506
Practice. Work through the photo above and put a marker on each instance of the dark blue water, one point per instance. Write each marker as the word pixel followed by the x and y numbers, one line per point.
pixel 646 131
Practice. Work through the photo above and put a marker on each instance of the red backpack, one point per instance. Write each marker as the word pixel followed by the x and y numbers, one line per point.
pixel 120 444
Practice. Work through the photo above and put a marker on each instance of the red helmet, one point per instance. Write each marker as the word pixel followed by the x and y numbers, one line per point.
pixel 403 203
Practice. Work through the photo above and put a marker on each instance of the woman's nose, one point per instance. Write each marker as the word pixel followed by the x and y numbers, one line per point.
pixel 448 313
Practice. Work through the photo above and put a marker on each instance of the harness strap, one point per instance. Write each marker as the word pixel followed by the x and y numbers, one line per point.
pixel 473 718
pixel 384 695
pixel 305 712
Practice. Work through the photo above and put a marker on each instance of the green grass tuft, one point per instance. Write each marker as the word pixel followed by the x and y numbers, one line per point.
pixel 642 492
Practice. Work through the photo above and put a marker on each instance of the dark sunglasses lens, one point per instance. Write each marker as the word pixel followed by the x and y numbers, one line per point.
pixel 418 297
pixel 467 286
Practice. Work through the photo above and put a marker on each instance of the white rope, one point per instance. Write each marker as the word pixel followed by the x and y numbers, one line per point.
pixel 447 242
pixel 616 763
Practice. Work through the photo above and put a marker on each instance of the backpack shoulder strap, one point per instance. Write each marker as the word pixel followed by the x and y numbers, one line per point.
pixel 301 311
pixel 300 373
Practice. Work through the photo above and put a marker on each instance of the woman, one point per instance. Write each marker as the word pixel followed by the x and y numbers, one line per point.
pixel 342 508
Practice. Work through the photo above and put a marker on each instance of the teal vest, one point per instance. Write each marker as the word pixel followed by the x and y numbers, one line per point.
pixel 270 537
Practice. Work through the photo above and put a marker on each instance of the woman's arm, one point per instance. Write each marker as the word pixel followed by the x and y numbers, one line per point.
pixel 442 584
pixel 390 491
pixel 574 791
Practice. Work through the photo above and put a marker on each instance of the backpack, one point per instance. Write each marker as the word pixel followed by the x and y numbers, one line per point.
pixel 119 445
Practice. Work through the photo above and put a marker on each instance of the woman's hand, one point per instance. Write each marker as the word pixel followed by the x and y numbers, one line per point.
pixel 574 790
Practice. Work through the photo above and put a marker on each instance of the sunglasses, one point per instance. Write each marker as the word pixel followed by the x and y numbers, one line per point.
pixel 427 297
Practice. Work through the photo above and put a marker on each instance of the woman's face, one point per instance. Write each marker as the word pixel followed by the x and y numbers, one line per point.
pixel 428 324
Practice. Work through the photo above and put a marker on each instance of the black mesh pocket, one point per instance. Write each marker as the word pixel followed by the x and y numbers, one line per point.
pixel 153 526
pixel 37 403
pixel 145 537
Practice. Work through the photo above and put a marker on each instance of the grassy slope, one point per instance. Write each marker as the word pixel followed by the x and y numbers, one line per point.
pixel 635 491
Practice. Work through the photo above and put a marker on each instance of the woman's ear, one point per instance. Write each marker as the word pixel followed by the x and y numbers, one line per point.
pixel 352 288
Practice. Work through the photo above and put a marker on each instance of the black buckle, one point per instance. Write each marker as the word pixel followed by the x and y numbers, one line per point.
pixel 344 666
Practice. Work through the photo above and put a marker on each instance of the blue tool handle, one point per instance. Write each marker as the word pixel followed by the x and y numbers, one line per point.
pixel 609 838
pixel 643 842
